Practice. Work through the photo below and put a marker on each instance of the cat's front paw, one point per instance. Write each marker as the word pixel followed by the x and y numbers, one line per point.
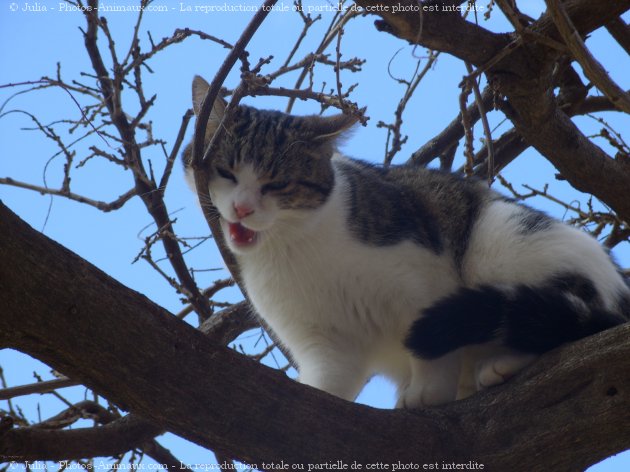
pixel 498 370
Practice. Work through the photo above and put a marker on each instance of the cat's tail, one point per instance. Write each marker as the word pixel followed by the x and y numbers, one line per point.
pixel 524 318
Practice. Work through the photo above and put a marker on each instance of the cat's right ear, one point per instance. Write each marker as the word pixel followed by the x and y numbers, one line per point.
pixel 199 90
pixel 331 127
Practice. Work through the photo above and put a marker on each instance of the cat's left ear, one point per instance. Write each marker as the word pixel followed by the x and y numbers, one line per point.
pixel 329 128
pixel 199 90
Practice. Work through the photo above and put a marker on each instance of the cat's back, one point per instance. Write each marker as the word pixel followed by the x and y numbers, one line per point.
pixel 433 209
pixel 488 238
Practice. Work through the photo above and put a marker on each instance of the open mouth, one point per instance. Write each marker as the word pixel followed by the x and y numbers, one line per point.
pixel 240 235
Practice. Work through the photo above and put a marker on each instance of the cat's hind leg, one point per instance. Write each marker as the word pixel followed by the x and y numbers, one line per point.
pixel 432 382
pixel 498 369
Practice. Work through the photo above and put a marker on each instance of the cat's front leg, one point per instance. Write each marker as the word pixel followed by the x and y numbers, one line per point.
pixel 339 373
pixel 432 382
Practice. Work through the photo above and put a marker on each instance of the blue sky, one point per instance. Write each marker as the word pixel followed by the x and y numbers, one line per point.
pixel 33 42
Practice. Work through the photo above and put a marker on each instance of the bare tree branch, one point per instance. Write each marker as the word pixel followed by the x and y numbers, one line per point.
pixel 116 437
pixel 507 148
pixel 86 409
pixel 451 134
pixel 145 186
pixel 226 325
pixel 68 314
pixel 621 32
pixel 156 349
pixel 486 126
pixel 591 67
pixel 103 206
pixel 525 79
pixel 338 22
pixel 39 387
pixel 201 151
pixel 394 139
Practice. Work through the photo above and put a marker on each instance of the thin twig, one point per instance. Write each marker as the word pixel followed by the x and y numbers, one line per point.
pixel 146 187
pixel 208 292
pixel 308 22
pixel 485 125
pixel 103 206
pixel 201 158
pixel 338 68
pixel 336 24
pixel 467 126
pixel 177 37
pixel 394 130
pixel 38 387
pixel 172 157
pixel 450 135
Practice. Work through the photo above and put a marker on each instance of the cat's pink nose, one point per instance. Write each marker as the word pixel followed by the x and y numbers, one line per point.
pixel 242 210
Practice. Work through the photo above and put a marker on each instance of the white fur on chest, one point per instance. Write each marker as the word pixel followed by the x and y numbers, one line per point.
pixel 316 284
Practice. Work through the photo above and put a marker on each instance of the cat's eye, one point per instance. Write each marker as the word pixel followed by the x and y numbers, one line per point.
pixel 226 174
pixel 274 187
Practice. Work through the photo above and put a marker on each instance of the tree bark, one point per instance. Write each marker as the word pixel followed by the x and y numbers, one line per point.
pixel 67 313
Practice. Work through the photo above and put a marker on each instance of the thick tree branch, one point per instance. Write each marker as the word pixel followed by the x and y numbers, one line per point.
pixel 439 30
pixel 119 434
pixel 621 32
pixel 442 29
pixel 226 325
pixel 67 313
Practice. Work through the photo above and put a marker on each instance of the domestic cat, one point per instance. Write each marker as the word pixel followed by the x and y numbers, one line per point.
pixel 435 281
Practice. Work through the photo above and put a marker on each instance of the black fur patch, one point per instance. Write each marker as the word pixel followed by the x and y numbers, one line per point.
pixel 471 316
pixel 464 224
pixel 431 208
pixel 454 202
pixel 528 319
pixel 576 285
pixel 384 213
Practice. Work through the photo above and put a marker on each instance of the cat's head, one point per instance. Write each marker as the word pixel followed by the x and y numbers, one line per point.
pixel 269 169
